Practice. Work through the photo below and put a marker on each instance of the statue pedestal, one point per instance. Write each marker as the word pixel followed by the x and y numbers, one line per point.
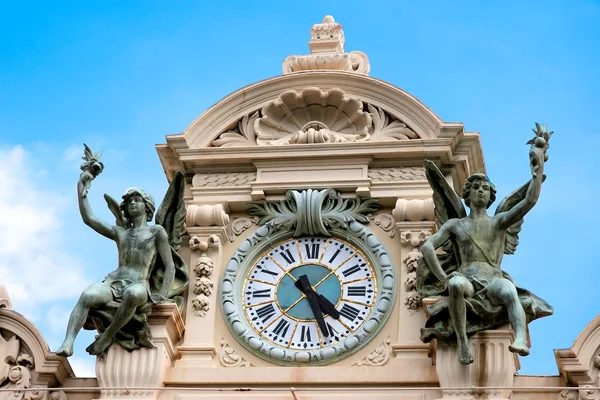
pixel 142 368
pixel 494 366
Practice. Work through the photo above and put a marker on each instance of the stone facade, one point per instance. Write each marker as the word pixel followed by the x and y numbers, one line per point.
pixel 323 124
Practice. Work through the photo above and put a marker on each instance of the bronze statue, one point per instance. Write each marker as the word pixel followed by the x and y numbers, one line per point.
pixel 150 271
pixel 477 294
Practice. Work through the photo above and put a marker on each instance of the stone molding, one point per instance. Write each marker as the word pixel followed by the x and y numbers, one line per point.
pixel 396 174
pixel 580 364
pixel 50 370
pixel 224 179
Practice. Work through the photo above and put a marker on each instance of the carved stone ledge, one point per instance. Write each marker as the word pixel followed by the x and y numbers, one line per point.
pixel 229 358
pixel 380 356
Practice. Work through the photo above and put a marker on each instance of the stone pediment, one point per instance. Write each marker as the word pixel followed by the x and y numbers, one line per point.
pixel 324 114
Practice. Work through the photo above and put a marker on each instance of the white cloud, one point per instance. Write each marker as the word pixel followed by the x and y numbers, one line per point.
pixel 35 266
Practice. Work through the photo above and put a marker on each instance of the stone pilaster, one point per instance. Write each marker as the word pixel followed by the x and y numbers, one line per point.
pixel 494 366
pixel 145 367
pixel 414 224
pixel 207 226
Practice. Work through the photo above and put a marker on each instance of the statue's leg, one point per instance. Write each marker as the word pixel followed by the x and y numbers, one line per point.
pixel 134 296
pixel 94 296
pixel 459 288
pixel 502 291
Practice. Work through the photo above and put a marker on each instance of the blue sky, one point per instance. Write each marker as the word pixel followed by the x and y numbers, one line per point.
pixel 120 75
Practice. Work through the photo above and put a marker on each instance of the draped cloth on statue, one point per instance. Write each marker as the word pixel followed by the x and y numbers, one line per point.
pixel 136 332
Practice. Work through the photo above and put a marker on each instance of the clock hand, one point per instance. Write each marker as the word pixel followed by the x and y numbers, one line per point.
pixel 327 307
pixel 304 285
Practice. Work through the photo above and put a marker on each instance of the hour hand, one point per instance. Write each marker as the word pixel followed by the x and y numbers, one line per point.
pixel 304 285
pixel 327 307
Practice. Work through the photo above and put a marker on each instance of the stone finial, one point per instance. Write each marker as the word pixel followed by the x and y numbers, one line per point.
pixel 326 37
pixel 327 52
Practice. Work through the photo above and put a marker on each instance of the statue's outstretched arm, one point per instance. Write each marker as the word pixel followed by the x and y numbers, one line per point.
pixel 435 241
pixel 516 213
pixel 86 210
pixel 164 251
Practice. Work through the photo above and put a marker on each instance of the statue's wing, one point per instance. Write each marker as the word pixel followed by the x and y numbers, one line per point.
pixel 447 206
pixel 446 201
pixel 171 213
pixel 114 207
pixel 512 233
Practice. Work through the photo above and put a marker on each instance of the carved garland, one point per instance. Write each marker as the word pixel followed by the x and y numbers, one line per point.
pixel 314 116
pixel 204 268
pixel 414 299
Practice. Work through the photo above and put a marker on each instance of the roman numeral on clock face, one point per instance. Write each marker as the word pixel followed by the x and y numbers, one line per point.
pixel 352 270
pixel 333 257
pixel 287 256
pixel 349 312
pixel 260 293
pixel 282 327
pixel 266 270
pixel 312 250
pixel 357 291
pixel 265 312
pixel 305 333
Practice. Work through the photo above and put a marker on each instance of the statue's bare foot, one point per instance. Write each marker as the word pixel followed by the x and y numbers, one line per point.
pixel 66 350
pixel 99 346
pixel 464 354
pixel 519 347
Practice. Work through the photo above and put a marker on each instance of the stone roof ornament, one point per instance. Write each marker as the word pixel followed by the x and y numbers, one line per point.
pixel 327 52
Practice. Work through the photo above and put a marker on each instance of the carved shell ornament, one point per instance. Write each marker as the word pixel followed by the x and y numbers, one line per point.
pixel 314 116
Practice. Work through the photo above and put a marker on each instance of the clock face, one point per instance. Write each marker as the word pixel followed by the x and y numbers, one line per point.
pixel 281 312
pixel 308 300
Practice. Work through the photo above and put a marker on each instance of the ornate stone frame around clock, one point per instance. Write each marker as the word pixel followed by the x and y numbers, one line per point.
pixel 269 234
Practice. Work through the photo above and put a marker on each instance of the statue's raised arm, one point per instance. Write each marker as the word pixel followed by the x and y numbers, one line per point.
pixel 474 293
pixel 149 271
pixel 91 168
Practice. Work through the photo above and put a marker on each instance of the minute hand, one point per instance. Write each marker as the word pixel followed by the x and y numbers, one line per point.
pixel 304 285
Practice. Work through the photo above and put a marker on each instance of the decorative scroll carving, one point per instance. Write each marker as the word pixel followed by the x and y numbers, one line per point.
pixel 5 301
pixel 378 357
pixel 385 222
pixel 206 215
pixel 568 395
pixel 239 225
pixel 227 179
pixel 204 268
pixel 229 358
pixel 312 115
pixel 312 212
pixel 396 174
pixel 413 299
pixel 15 370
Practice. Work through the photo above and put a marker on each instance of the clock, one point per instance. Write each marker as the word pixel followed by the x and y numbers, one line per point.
pixel 341 290
pixel 308 299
